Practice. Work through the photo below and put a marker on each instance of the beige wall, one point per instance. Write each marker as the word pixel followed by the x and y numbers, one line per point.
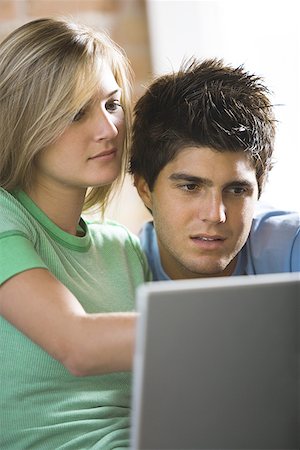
pixel 126 23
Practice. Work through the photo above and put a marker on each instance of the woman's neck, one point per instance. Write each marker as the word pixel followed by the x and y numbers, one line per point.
pixel 61 204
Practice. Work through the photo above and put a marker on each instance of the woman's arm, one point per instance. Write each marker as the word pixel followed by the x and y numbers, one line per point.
pixel 43 309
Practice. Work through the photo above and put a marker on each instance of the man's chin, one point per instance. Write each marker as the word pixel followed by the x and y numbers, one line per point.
pixel 213 270
pixel 204 267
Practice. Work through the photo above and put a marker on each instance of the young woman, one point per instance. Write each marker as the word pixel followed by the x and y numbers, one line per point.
pixel 67 287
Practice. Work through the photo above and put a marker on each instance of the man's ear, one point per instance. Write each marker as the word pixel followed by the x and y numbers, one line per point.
pixel 143 190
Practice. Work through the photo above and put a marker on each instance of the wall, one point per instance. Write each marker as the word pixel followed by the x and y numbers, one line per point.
pixel 126 22
pixel 263 35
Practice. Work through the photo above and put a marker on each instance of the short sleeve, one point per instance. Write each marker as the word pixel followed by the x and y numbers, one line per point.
pixel 17 254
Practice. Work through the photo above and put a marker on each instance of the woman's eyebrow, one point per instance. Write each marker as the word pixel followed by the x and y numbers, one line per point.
pixel 101 95
pixel 116 91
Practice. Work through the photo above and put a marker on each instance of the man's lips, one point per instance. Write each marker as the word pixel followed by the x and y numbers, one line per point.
pixel 208 237
pixel 208 242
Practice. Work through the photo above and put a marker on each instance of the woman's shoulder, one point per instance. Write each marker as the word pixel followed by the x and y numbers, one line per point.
pixel 117 239
pixel 7 200
pixel 114 235
pixel 13 216
pixel 111 230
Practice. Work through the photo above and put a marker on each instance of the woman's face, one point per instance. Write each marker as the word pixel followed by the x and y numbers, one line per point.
pixel 89 152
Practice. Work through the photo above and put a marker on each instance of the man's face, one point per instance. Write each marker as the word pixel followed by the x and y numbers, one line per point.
pixel 202 205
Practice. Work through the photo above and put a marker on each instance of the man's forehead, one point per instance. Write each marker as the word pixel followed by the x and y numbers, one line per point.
pixel 191 154
pixel 204 163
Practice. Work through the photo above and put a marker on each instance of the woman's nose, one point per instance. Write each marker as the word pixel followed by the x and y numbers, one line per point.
pixel 106 127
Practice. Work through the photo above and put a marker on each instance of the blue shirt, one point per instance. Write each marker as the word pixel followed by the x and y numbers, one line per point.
pixel 273 245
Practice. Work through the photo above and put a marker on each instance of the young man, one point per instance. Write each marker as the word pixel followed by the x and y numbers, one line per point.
pixel 203 140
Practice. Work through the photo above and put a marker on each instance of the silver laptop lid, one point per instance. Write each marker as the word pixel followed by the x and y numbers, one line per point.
pixel 217 364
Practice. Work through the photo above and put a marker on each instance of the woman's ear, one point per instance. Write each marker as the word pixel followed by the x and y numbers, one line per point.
pixel 143 189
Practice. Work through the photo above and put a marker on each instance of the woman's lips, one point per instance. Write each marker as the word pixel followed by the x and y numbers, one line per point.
pixel 105 155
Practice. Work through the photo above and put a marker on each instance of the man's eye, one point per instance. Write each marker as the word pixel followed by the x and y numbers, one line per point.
pixel 189 187
pixel 237 190
pixel 113 105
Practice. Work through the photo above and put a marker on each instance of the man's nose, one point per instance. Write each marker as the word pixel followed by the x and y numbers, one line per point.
pixel 212 208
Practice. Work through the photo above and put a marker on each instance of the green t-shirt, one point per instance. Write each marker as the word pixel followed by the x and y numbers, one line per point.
pixel 43 406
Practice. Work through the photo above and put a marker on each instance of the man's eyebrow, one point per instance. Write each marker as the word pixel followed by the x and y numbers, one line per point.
pixel 240 183
pixel 181 176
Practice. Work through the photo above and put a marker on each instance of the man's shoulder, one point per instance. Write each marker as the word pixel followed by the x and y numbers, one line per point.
pixel 271 220
pixel 149 245
pixel 147 232
pixel 148 240
pixel 274 241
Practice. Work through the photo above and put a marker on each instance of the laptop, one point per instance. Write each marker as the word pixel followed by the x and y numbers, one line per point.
pixel 217 364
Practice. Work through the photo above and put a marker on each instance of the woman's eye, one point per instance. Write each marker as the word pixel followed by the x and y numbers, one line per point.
pixel 113 105
pixel 79 115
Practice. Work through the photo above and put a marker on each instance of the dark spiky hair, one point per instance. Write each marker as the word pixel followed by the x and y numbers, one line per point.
pixel 205 104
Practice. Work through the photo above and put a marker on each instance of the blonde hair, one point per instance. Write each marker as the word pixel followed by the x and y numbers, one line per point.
pixel 49 69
